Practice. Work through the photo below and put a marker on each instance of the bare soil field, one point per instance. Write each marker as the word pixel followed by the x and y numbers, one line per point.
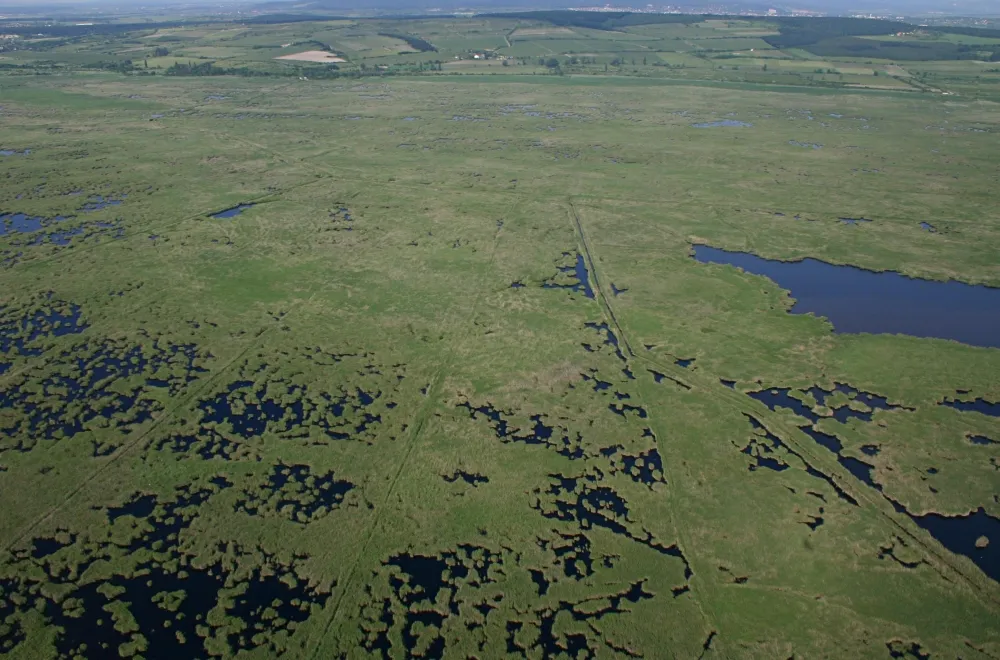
pixel 312 56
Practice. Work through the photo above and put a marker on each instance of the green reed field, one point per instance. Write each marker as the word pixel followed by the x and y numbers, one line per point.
pixel 378 413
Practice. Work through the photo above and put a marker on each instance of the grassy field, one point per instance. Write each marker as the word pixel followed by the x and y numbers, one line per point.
pixel 382 412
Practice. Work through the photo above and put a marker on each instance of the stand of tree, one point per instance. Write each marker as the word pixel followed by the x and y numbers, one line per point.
pixel 894 50
pixel 968 31
pixel 816 27
pixel 600 20
pixel 123 66
pixel 414 42
pixel 824 36
pixel 271 19
pixel 327 72
pixel 203 69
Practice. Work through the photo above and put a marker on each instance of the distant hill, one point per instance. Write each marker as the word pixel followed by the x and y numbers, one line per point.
pixel 403 6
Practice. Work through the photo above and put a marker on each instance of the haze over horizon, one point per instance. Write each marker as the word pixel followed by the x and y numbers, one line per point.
pixel 831 7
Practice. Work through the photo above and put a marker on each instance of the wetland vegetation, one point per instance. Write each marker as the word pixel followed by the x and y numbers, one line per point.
pixel 562 334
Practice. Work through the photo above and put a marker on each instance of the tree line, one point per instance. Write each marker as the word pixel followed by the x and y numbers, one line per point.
pixel 415 42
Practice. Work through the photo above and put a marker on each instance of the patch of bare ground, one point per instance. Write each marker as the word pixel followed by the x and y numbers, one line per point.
pixel 312 56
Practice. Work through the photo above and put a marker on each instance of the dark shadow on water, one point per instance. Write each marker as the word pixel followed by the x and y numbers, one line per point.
pixel 961 533
pixel 98 202
pixel 816 522
pixel 86 382
pixel 580 274
pixel 623 408
pixel 888 551
pixel 828 441
pixel 775 398
pixel 857 300
pixel 979 405
pixel 470 478
pixel 139 506
pixel 22 223
pixel 660 377
pixel 45 547
pixel 588 502
pixel 168 594
pixel 572 553
pixel 207 444
pixel 599 385
pixel 760 448
pixel 763 449
pixel 425 591
pixel 911 650
pixel 297 493
pixel 610 339
pixel 48 319
pixel 538 577
pixel 250 410
pixel 269 605
pixel 645 468
pixel 557 438
pixel 861 470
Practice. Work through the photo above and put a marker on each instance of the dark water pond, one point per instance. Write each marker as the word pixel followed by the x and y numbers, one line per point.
pixel 961 533
pixel 61 237
pixel 857 300
pixel 978 405
pixel 98 202
pixel 232 212
pixel 21 223
pixel 582 276
pixel 24 224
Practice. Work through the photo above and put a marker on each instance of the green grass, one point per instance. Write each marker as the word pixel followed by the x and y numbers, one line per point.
pixel 278 431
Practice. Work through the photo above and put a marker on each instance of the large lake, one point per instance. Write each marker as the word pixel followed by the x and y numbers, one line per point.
pixel 857 300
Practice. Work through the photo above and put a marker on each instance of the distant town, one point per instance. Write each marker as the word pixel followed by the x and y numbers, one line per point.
pixel 743 10
pixel 722 10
